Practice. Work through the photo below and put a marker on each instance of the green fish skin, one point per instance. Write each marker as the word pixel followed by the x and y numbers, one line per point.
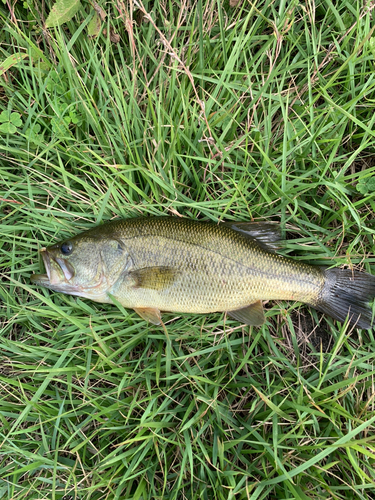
pixel 186 266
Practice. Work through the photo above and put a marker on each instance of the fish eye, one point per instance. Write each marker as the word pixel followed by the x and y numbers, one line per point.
pixel 66 248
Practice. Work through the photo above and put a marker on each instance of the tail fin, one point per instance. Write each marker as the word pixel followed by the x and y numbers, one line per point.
pixel 347 292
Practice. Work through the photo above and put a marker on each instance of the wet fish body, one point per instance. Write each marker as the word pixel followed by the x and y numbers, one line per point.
pixel 185 266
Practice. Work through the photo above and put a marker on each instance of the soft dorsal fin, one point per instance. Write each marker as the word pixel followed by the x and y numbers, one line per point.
pixel 251 315
pixel 267 234
pixel 155 278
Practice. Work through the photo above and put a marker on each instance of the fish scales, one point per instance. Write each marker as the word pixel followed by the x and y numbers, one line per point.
pixel 218 268
pixel 181 265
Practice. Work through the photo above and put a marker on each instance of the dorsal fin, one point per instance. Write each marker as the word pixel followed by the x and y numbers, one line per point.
pixel 266 234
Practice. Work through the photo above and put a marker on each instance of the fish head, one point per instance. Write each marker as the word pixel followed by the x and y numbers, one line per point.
pixel 86 266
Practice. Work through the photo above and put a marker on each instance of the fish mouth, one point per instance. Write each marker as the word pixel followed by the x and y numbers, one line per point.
pixel 59 271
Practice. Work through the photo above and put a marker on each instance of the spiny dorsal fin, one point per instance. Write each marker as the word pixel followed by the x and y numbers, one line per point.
pixel 251 315
pixel 155 278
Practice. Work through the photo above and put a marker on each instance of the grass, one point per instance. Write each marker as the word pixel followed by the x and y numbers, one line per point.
pixel 263 111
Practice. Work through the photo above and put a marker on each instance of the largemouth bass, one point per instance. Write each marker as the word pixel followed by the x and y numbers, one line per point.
pixel 185 266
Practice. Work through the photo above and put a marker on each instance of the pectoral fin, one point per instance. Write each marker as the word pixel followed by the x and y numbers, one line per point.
pixel 149 314
pixel 155 278
pixel 251 315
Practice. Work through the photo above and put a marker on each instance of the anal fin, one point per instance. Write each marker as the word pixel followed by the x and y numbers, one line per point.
pixel 149 314
pixel 251 315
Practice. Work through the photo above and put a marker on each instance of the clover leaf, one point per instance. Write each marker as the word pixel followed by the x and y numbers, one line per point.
pixel 8 128
pixel 32 134
pixel 367 185
pixel 9 122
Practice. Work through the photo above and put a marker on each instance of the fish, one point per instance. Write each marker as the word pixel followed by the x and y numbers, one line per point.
pixel 179 265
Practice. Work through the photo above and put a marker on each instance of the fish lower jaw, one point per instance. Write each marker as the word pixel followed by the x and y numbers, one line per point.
pixel 40 279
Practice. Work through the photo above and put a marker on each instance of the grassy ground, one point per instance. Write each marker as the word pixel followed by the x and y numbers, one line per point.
pixel 259 111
